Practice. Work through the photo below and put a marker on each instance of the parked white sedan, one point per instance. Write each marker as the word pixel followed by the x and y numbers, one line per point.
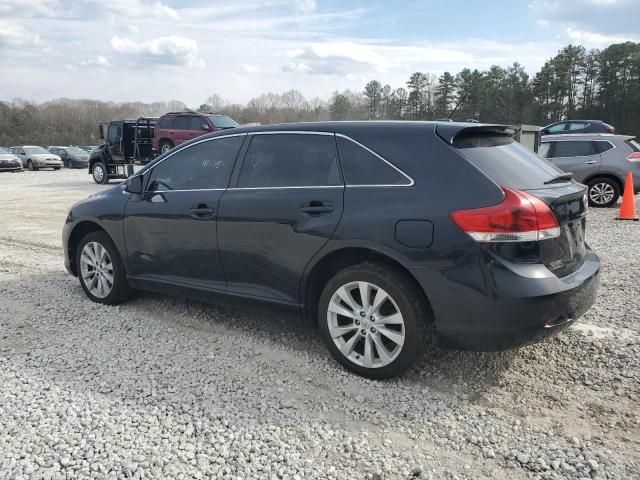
pixel 34 157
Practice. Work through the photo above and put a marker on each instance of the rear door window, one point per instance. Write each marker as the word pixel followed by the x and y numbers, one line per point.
pixel 363 167
pixel 182 123
pixel 558 127
pixel 505 161
pixel 577 125
pixel 205 165
pixel 166 122
pixel 573 148
pixel 290 160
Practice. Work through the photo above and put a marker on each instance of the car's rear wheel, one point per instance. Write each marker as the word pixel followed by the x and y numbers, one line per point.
pixel 374 320
pixel 68 164
pixel 603 192
pixel 99 173
pixel 100 269
pixel 165 146
pixel 31 166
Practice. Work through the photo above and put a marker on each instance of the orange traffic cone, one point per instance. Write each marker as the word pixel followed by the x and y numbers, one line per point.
pixel 628 207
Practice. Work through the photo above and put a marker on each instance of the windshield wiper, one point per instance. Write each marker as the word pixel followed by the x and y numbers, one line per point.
pixel 560 178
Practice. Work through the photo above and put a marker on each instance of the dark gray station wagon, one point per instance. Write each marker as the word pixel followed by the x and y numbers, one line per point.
pixel 386 235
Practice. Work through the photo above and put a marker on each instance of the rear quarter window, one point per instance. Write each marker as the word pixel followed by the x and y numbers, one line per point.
pixel 363 167
pixel 505 161
pixel 602 146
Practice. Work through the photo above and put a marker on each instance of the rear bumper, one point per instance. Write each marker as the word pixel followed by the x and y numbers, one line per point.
pixel 507 305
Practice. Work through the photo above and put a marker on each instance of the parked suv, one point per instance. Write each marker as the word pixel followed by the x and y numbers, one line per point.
pixel 577 126
pixel 387 235
pixel 178 127
pixel 600 161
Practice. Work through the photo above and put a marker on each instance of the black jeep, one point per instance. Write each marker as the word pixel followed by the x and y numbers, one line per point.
pixel 127 142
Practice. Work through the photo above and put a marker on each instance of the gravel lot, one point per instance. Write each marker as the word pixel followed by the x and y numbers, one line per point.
pixel 167 388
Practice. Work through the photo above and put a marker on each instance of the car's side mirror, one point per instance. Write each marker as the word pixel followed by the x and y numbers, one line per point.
pixel 133 184
pixel 101 130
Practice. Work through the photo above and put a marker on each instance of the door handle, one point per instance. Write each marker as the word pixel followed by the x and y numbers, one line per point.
pixel 202 211
pixel 590 162
pixel 316 208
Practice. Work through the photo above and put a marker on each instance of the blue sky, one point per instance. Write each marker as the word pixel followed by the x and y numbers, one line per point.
pixel 150 50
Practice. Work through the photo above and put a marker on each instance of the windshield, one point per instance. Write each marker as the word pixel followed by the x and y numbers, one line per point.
pixel 35 150
pixel 222 121
pixel 75 151
pixel 4 150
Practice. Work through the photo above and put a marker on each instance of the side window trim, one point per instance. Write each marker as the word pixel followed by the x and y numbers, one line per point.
pixel 147 172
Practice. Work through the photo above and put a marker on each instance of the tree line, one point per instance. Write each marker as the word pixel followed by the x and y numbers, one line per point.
pixel 576 83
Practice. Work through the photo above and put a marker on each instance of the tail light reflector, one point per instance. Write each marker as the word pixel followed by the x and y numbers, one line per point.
pixel 520 217
pixel 634 157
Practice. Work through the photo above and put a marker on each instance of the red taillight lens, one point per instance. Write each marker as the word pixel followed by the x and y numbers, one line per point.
pixel 634 157
pixel 520 217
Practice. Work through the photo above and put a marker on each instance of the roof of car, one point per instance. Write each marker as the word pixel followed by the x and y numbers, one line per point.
pixel 446 129
pixel 586 136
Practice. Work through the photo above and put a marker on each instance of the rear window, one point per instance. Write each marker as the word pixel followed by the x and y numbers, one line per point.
pixel 634 145
pixel 505 161
pixel 575 148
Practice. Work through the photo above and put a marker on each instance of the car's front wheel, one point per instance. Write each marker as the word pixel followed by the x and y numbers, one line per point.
pixel 99 173
pixel 31 166
pixel 374 320
pixel 100 269
pixel 603 192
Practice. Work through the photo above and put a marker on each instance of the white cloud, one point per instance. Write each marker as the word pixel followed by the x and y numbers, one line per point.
pixel 47 8
pixel 249 69
pixel 99 61
pixel 137 9
pixel 170 50
pixel 597 40
pixel 17 36
pixel 612 17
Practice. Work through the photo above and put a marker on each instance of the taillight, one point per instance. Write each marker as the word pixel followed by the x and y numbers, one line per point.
pixel 520 217
pixel 634 157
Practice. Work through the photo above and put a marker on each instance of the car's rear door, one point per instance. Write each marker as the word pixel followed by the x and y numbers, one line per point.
pixel 181 128
pixel 579 157
pixel 170 230
pixel 285 204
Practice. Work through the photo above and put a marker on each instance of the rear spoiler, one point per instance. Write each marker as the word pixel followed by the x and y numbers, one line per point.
pixel 449 131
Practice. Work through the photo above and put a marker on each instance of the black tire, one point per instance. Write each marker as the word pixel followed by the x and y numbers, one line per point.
pixel 103 178
pixel 120 290
pixel 31 166
pixel 68 164
pixel 165 146
pixel 599 185
pixel 411 303
pixel 57 168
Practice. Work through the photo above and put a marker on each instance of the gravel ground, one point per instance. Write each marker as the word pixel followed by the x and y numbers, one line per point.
pixel 166 388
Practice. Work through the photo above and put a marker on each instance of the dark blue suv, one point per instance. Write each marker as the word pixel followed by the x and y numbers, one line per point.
pixel 386 235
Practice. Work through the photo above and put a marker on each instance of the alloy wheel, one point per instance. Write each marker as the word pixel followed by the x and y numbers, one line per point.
pixel 601 193
pixel 96 269
pixel 366 324
pixel 165 148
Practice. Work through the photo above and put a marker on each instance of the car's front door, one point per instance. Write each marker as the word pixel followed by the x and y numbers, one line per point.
pixel 285 204
pixel 114 142
pixel 576 156
pixel 170 230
